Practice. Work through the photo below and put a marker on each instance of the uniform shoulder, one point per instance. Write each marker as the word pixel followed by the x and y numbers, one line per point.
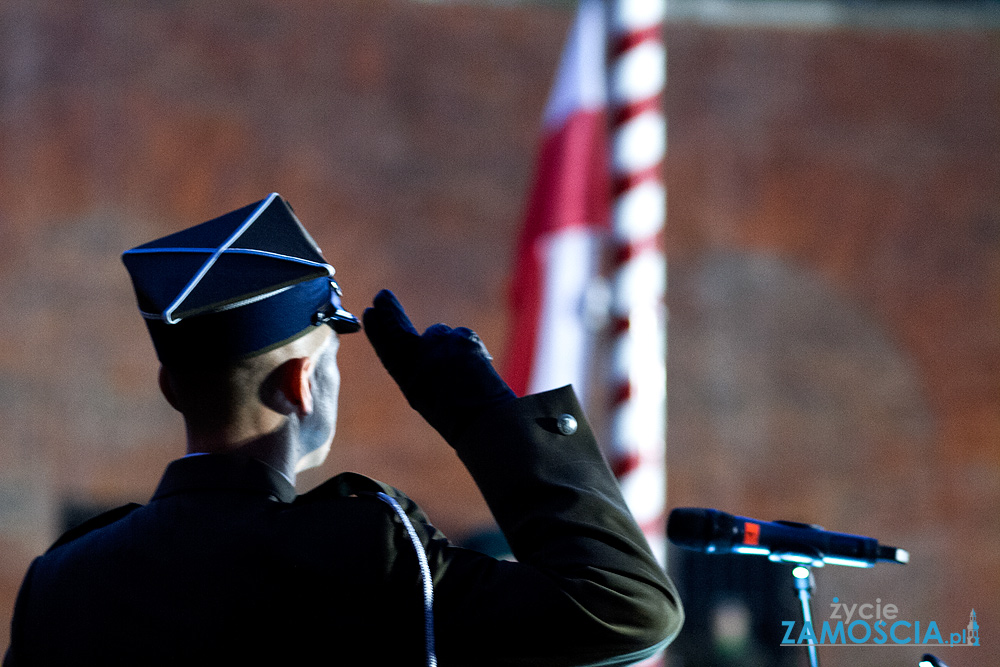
pixel 90 525
pixel 346 485
pixel 387 499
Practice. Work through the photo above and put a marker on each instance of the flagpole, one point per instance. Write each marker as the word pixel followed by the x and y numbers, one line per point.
pixel 638 415
pixel 567 226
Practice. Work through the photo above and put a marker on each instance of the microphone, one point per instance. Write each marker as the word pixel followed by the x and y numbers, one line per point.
pixel 712 531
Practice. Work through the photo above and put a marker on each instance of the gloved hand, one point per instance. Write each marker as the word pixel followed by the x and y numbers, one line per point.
pixel 445 374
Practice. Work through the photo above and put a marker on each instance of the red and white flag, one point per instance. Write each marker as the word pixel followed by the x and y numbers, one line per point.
pixel 568 218
pixel 574 218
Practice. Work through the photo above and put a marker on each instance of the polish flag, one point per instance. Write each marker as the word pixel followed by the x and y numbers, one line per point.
pixel 568 217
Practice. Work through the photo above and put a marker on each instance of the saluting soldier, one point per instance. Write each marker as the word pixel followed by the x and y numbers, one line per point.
pixel 226 565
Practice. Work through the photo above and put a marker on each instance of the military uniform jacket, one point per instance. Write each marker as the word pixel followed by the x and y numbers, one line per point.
pixel 226 566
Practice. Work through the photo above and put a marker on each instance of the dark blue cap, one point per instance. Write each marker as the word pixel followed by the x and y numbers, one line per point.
pixel 238 285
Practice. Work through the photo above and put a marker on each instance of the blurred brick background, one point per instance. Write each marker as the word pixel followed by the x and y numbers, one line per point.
pixel 834 254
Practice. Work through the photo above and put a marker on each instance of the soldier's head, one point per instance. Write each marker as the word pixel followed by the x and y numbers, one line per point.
pixel 244 314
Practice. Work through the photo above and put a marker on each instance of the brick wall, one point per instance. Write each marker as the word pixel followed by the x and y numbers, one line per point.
pixel 834 246
pixel 834 243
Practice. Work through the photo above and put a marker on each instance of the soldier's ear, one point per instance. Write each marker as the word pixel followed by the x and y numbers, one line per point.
pixel 295 385
pixel 167 388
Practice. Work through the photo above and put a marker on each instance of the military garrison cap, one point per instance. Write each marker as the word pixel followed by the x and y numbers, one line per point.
pixel 238 285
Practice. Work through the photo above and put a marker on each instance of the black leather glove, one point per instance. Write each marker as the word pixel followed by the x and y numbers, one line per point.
pixel 445 374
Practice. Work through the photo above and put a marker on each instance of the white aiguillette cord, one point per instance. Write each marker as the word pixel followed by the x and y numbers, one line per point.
pixel 425 576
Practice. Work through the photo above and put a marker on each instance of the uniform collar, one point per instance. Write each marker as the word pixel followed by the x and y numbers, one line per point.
pixel 224 472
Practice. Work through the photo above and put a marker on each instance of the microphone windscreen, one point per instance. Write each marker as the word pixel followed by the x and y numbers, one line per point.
pixel 691 527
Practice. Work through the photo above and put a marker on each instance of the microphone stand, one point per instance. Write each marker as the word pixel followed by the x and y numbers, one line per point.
pixel 804 584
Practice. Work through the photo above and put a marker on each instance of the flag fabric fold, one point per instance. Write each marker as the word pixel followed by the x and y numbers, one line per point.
pixel 566 221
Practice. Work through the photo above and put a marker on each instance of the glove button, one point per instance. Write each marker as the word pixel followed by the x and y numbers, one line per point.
pixel 566 424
